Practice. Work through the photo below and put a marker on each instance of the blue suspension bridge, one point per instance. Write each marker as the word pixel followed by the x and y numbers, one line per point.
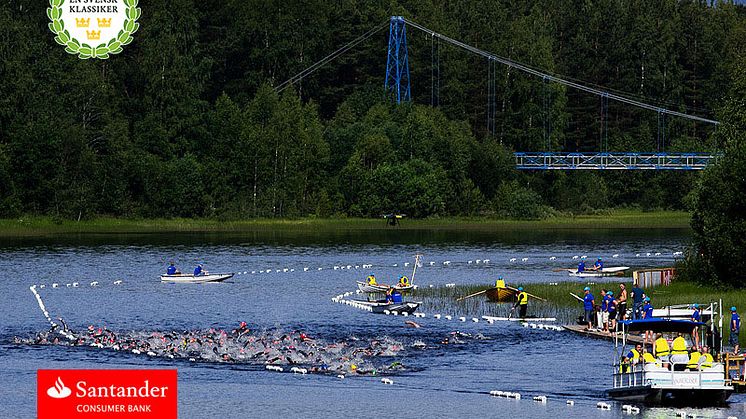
pixel 397 87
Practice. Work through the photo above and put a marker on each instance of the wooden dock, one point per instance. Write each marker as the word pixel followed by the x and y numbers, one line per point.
pixel 600 334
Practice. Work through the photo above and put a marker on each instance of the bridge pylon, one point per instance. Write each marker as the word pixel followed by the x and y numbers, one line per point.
pixel 397 63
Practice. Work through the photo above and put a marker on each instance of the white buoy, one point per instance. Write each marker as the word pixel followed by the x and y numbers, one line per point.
pixel 512 259
pixel 437 316
pixel 584 257
pixel 387 381
pixel 319 269
pixel 118 282
pixel 448 262
pixel 524 259
pixel 55 285
pixel 341 377
pixel 486 261
pixel 540 399
pixel 478 261
pixel 406 264
pixel 463 319
pixel 448 317
pixel 94 283
pixel 574 257
pixel 678 253
pixel 41 286
pixel 603 406
pixel 571 403
pixel 75 285
pixel 432 263
pixel 553 258
pixel 68 285
pixel 475 320
pixel 615 255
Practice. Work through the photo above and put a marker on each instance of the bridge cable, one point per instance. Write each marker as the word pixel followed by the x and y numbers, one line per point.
pixel 315 66
pixel 579 86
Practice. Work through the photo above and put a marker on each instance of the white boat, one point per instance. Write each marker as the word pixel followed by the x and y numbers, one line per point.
pixel 612 271
pixel 382 288
pixel 192 279
pixel 682 311
pixel 657 385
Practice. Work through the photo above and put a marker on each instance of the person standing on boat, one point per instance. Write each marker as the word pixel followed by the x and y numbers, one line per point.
pixel 588 306
pixel 198 270
pixel 599 265
pixel 696 317
pixel 662 350
pixel 647 313
pixel 622 306
pixel 522 303
pixel 172 269
pixel 581 266
pixel 638 299
pixel 735 328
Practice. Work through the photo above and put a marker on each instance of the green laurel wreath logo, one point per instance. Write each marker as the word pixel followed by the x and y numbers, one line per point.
pixel 85 51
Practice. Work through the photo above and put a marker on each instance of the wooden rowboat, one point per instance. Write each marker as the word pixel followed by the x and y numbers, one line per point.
pixel 502 295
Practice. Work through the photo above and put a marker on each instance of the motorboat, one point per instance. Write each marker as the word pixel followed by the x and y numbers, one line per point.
pixel 382 288
pixel 654 384
pixel 195 279
pixel 383 307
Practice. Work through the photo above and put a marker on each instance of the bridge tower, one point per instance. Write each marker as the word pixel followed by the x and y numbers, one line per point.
pixel 397 63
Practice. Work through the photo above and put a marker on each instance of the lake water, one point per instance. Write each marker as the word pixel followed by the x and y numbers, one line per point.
pixel 437 381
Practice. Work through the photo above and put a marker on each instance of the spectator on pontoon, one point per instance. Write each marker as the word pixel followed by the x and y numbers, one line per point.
pixel 603 315
pixel 705 361
pixel 622 305
pixel 679 354
pixel 613 303
pixel 696 317
pixel 694 356
pixel 635 354
pixel 662 350
pixel 647 313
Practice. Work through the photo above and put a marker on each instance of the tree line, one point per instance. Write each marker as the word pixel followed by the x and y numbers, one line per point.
pixel 185 121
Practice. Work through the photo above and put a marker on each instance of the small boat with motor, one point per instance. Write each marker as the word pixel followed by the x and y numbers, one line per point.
pixel 383 307
pixel 195 279
pixel 654 383
pixel 611 271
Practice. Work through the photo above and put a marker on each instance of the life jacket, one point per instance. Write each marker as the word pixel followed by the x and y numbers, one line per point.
pixel 635 355
pixel 708 360
pixel 693 360
pixel 371 280
pixel 523 298
pixel 661 347
pixel 679 346
pixel 624 367
pixel 404 281
pixel 500 283
pixel 649 358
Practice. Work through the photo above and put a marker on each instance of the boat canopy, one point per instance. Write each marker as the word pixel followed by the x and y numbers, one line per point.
pixel 657 324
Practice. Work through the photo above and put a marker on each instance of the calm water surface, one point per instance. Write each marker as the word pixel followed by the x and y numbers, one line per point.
pixel 438 381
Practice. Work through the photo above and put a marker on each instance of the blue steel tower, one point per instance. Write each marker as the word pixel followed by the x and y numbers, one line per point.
pixel 397 63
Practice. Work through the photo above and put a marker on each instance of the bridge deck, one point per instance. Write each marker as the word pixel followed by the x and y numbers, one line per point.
pixel 613 161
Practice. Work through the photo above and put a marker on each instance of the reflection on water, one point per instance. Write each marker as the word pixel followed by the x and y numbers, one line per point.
pixel 430 378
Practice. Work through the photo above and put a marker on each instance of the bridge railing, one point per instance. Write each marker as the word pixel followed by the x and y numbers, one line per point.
pixel 612 161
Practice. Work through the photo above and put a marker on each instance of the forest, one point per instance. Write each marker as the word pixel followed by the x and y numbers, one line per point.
pixel 187 120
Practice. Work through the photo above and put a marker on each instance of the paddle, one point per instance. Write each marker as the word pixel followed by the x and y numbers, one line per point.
pixel 538 298
pixel 579 299
pixel 562 269
pixel 473 295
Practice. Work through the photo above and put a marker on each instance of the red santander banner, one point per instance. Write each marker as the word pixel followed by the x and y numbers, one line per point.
pixel 125 394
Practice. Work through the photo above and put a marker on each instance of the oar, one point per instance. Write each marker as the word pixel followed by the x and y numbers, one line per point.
pixel 530 295
pixel 561 269
pixel 473 295
pixel 579 299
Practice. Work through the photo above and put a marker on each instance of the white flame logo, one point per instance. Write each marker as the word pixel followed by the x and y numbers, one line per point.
pixel 58 391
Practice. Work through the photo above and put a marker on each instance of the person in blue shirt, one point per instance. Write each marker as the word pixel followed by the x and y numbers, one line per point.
pixel 638 299
pixel 612 311
pixel 599 265
pixel 198 270
pixel 696 317
pixel 172 269
pixel 647 313
pixel 581 266
pixel 735 327
pixel 588 306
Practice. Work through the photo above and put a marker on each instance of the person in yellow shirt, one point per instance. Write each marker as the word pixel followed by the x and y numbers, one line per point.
pixel 679 354
pixel 661 350
pixel 693 364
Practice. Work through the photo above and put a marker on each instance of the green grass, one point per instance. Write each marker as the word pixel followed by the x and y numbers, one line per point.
pixel 566 308
pixel 619 219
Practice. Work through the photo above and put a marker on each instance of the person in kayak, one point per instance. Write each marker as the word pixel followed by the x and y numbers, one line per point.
pixel 172 269
pixel 198 270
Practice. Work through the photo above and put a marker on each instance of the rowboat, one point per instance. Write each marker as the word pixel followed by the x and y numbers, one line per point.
pixel 614 271
pixel 502 295
pixel 192 279
pixel 382 288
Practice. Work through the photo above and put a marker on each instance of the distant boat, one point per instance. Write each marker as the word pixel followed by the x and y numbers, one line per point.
pixel 192 279
pixel 381 307
pixel 364 287
pixel 614 271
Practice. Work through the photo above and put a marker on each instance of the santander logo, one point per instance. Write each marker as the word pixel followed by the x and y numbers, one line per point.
pixel 58 390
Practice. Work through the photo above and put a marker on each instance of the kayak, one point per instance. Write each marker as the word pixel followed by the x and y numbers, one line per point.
pixel 192 279
pixel 614 271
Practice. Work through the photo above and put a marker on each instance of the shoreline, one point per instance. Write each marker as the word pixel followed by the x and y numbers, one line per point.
pixel 614 220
